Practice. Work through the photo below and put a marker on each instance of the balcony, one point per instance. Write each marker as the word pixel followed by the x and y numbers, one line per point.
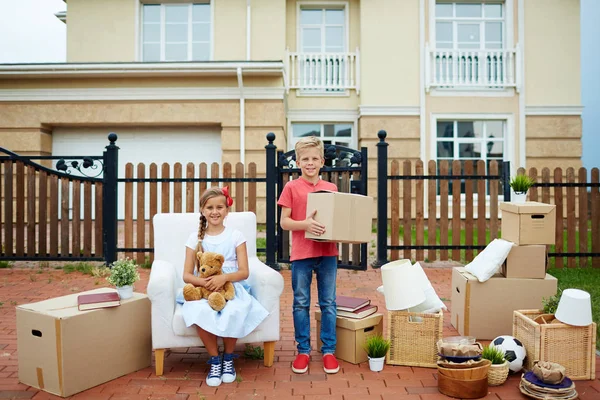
pixel 323 73
pixel 472 69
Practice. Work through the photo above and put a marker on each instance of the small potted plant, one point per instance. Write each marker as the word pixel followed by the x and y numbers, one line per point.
pixel 520 184
pixel 123 274
pixel 498 372
pixel 376 347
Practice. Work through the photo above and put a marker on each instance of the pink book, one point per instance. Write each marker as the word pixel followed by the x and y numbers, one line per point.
pixel 360 313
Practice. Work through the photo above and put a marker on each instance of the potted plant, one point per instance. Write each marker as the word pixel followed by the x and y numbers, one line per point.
pixel 498 372
pixel 520 184
pixel 123 274
pixel 376 347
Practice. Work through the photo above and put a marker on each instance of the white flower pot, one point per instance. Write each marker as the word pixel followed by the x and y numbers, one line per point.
pixel 520 197
pixel 376 364
pixel 125 292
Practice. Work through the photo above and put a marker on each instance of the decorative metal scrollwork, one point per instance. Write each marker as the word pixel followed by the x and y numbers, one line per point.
pixel 335 156
pixel 88 166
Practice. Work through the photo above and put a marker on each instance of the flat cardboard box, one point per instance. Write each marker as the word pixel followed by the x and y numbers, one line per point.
pixel 485 310
pixel 351 335
pixel 526 262
pixel 64 351
pixel 347 217
pixel 528 223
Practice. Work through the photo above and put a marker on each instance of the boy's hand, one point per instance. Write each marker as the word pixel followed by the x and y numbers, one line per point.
pixel 313 226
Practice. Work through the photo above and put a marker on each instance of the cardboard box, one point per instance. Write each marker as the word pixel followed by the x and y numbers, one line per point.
pixel 528 223
pixel 526 262
pixel 351 335
pixel 64 351
pixel 485 310
pixel 347 217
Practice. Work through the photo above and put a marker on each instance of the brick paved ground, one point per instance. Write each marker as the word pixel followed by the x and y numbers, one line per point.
pixel 185 369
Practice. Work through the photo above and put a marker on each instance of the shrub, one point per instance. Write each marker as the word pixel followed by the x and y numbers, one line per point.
pixel 521 183
pixel 376 346
pixel 123 273
pixel 494 354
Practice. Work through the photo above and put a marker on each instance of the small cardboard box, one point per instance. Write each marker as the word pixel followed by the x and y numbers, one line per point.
pixel 526 262
pixel 528 223
pixel 351 335
pixel 485 310
pixel 64 351
pixel 347 217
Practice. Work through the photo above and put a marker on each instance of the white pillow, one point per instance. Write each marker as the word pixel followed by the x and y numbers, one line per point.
pixel 489 261
pixel 432 303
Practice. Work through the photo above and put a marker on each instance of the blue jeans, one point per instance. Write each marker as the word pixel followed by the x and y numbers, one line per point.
pixel 302 271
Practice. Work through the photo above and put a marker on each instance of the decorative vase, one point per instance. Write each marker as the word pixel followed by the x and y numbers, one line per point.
pixel 125 292
pixel 498 373
pixel 520 197
pixel 376 364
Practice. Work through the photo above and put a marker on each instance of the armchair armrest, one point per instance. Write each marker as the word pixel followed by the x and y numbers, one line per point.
pixel 161 292
pixel 266 284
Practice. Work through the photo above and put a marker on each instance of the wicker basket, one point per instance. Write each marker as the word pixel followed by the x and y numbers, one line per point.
pixel 498 373
pixel 414 338
pixel 573 347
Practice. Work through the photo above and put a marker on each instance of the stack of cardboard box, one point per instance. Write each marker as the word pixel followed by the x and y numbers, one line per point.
pixel 485 309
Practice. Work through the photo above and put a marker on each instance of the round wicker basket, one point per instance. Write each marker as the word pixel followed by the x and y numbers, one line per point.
pixel 497 374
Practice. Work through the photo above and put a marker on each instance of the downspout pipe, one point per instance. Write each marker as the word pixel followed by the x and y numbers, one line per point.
pixel 242 116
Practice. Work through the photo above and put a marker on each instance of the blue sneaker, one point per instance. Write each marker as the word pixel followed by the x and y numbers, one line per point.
pixel 229 374
pixel 214 377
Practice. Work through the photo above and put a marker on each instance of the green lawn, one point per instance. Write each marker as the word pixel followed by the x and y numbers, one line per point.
pixel 587 279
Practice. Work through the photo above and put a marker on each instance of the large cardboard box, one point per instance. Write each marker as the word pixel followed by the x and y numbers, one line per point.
pixel 351 335
pixel 64 351
pixel 526 262
pixel 485 310
pixel 528 223
pixel 347 217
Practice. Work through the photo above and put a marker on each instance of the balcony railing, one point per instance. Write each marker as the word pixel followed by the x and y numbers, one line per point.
pixel 323 72
pixel 472 69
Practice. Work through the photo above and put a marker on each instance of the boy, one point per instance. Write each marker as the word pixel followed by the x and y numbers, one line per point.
pixel 308 256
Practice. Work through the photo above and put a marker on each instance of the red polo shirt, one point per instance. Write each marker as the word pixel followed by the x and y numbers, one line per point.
pixel 295 196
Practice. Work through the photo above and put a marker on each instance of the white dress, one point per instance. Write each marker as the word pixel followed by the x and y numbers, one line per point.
pixel 243 313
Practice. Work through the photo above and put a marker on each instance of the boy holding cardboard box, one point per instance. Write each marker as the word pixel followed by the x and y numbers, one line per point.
pixel 309 255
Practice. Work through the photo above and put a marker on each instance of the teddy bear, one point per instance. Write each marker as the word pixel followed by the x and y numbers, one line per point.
pixel 210 264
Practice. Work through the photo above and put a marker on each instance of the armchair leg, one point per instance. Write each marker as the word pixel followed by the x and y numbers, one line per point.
pixel 269 353
pixel 159 360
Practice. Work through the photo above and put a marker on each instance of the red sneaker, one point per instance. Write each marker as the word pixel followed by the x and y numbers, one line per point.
pixel 330 364
pixel 300 364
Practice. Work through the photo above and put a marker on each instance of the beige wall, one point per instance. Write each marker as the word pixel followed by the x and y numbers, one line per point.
pixel 553 141
pixel 268 30
pixel 552 52
pixel 108 27
pixel 389 53
pixel 230 30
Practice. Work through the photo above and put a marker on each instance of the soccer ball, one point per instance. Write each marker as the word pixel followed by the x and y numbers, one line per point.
pixel 514 352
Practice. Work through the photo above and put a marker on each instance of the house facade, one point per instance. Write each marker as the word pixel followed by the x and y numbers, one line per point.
pixel 204 81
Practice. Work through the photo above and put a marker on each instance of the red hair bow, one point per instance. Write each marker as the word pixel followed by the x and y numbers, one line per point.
pixel 228 198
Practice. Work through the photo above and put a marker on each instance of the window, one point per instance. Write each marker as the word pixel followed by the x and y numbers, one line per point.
pixel 322 30
pixel 341 134
pixel 471 26
pixel 176 32
pixel 471 140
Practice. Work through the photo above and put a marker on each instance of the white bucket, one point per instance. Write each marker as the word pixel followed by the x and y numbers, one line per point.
pixel 376 364
pixel 520 197
pixel 402 285
pixel 125 292
pixel 574 308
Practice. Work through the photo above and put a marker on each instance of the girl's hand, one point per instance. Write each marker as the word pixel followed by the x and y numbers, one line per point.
pixel 313 226
pixel 215 283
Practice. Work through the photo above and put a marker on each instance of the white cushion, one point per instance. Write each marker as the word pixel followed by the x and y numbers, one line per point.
pixel 489 261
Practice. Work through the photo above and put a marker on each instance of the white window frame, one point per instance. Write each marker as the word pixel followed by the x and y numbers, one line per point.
pixel 322 117
pixel 140 27
pixel 509 144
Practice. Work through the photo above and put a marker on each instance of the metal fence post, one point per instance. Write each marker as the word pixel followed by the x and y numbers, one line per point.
pixel 506 180
pixel 109 200
pixel 271 176
pixel 382 194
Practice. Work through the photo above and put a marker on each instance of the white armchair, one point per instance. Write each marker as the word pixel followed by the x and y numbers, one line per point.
pixel 166 278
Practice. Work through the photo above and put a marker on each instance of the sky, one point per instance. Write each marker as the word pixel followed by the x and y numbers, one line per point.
pixel 29 33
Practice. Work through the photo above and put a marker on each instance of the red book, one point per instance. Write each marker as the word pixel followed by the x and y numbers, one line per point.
pixel 360 313
pixel 346 303
pixel 98 300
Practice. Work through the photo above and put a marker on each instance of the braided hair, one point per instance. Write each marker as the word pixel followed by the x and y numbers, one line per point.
pixel 203 224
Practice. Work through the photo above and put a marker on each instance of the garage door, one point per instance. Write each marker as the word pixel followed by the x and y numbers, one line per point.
pixel 143 145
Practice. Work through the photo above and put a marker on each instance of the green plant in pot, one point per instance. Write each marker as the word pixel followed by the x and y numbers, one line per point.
pixel 376 347
pixel 498 372
pixel 520 184
pixel 123 274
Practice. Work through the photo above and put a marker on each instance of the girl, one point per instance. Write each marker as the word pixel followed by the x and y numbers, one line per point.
pixel 241 314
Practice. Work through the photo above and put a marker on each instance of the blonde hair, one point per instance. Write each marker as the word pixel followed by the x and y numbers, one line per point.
pixel 207 195
pixel 308 142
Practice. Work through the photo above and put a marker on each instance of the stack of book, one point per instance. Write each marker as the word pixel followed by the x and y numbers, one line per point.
pixel 354 307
